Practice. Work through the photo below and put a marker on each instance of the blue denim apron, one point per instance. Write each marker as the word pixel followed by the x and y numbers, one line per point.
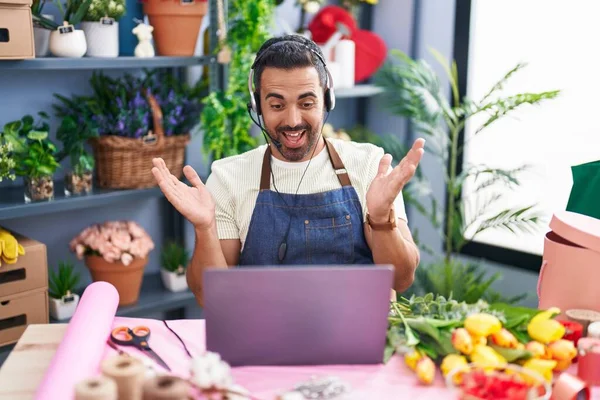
pixel 320 228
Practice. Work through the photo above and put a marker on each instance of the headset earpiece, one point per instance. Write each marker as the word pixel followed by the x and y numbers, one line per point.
pixel 257 109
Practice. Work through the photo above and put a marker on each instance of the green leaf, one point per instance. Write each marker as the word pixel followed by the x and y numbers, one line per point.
pixel 37 135
pixel 514 220
pixel 512 355
pixel 388 353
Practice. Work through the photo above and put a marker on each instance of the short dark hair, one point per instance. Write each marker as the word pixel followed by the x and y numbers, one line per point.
pixel 289 52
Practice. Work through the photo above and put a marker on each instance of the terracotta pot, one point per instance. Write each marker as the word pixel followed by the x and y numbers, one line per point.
pixel 126 279
pixel 176 25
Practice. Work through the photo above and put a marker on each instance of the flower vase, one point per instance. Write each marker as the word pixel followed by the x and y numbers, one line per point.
pixel 38 189
pixel 127 279
pixel 68 42
pixel 102 38
pixel 174 281
pixel 78 184
pixel 63 308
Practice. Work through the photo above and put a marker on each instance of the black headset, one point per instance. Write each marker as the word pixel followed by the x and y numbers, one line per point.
pixel 254 104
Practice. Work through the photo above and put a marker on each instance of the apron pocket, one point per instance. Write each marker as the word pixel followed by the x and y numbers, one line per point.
pixel 329 240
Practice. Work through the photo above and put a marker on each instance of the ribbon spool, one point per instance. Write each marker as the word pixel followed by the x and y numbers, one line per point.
pixel 569 387
pixel 166 388
pixel 128 373
pixel 99 388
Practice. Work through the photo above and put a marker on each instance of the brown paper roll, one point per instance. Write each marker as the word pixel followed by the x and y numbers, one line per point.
pixel 166 388
pixel 98 388
pixel 128 373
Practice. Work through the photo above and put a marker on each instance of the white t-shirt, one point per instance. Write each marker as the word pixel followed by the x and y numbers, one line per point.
pixel 234 181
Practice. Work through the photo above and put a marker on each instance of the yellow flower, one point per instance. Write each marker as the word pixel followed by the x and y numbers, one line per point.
pixel 425 370
pixel 451 362
pixel 462 341
pixel 542 367
pixel 372 2
pixel 544 329
pixel 482 324
pixel 562 350
pixel 411 359
pixel 485 356
pixel 504 338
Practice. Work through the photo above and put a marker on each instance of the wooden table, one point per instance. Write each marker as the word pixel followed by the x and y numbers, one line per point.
pixel 24 368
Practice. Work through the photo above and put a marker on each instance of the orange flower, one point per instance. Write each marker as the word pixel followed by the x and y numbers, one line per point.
pixel 462 341
pixel 562 350
pixel 504 338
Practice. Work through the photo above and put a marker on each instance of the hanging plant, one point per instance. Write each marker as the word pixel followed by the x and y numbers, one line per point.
pixel 224 118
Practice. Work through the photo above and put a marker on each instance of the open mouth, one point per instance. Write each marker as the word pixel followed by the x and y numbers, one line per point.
pixel 294 139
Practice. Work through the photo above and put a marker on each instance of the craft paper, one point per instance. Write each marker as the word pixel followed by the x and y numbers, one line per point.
pixel 83 346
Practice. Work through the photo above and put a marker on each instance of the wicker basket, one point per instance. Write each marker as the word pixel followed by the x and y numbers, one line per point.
pixel 126 163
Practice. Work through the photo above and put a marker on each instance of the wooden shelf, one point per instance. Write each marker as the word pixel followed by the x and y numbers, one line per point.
pixel 59 63
pixel 154 297
pixel 12 203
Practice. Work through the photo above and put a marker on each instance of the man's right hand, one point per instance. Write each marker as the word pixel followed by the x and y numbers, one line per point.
pixel 194 202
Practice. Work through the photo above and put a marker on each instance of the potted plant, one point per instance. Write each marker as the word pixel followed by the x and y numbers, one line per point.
pixel 412 90
pixel 174 259
pixel 65 39
pixel 41 34
pixel 61 286
pixel 115 252
pixel 136 118
pixel 176 24
pixel 78 179
pixel 101 27
pixel 34 156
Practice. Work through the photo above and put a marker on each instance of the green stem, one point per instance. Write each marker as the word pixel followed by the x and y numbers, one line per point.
pixel 454 130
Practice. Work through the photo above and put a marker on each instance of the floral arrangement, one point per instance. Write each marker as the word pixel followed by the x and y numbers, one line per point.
pixel 99 9
pixel 119 106
pixel 434 330
pixel 114 241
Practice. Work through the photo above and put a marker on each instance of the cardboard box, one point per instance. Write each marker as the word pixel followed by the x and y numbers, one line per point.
pixel 18 311
pixel 16 30
pixel 30 272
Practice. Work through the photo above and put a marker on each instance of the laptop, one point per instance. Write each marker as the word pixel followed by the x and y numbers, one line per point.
pixel 300 315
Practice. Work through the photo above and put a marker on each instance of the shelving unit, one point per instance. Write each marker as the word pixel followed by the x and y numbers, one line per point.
pixel 52 63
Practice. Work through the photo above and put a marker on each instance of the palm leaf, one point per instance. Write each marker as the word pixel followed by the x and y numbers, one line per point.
pixel 502 107
pixel 451 73
pixel 500 84
pixel 514 220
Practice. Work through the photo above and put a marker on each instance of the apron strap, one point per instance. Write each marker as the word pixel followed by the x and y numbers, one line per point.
pixel 336 163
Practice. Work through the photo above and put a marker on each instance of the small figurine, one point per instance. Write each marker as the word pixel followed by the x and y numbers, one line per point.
pixel 144 35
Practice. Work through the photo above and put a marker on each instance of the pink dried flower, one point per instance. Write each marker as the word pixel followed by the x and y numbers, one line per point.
pixel 114 241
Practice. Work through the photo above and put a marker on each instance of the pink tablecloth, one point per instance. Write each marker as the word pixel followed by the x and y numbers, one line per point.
pixel 380 382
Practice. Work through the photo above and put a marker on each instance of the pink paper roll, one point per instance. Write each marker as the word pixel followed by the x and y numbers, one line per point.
pixel 82 348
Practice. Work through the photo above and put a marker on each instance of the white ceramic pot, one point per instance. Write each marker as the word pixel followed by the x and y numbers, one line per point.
pixel 102 39
pixel 70 44
pixel 173 281
pixel 61 309
pixel 41 38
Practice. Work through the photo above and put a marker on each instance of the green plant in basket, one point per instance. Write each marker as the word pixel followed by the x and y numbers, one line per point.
pixel 174 258
pixel 99 9
pixel 62 283
pixel 413 90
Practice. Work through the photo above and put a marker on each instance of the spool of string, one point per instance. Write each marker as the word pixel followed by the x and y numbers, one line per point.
pixel 128 373
pixel 97 388
pixel 166 388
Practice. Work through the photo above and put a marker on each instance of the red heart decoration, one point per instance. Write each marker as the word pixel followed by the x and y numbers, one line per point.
pixel 371 50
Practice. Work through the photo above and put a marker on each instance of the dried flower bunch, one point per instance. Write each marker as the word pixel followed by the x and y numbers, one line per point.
pixel 114 241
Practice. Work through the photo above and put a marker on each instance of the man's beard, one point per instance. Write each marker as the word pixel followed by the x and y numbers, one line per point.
pixel 296 154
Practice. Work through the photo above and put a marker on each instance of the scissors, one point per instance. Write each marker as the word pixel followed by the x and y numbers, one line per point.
pixel 137 337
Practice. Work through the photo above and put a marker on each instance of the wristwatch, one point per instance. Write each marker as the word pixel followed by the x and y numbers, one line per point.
pixel 386 226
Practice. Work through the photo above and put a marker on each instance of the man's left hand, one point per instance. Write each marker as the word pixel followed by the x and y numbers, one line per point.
pixel 388 184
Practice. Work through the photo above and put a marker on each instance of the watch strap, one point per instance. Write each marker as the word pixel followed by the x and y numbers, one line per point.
pixel 385 226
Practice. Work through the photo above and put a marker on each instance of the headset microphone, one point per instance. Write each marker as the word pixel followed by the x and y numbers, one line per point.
pixel 264 132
